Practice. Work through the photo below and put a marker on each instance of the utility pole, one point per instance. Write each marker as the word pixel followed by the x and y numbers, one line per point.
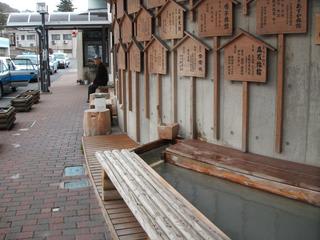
pixel 42 9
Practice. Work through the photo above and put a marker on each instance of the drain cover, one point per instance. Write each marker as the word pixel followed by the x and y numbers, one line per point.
pixel 76 184
pixel 74 171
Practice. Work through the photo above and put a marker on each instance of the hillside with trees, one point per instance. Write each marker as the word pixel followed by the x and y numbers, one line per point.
pixel 4 10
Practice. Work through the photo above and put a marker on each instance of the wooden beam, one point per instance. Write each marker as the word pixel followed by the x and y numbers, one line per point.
pixel 216 88
pixel 146 85
pixel 193 108
pixel 279 96
pixel 282 189
pixel 174 85
pixel 159 95
pixel 245 116
pixel 137 104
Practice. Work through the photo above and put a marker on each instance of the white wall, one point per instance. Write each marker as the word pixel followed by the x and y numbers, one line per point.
pixel 301 131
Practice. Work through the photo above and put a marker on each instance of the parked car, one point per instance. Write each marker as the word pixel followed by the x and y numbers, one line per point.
pixel 53 62
pixel 26 67
pixel 35 59
pixel 12 77
pixel 63 60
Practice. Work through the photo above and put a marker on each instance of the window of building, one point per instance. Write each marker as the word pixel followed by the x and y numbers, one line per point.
pixel 31 37
pixel 22 37
pixel 31 45
pixel 67 37
pixel 17 38
pixel 55 37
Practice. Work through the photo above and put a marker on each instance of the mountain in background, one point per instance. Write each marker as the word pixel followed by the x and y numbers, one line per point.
pixel 4 10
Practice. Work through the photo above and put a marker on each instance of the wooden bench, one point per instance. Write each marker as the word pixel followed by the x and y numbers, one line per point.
pixel 161 211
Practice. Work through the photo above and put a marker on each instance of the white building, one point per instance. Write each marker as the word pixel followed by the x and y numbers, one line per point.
pixel 59 40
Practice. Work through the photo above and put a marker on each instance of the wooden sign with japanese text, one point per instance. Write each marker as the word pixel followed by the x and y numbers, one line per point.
pixel 116 31
pixel 171 18
pixel 133 6
pixel 155 3
pixel 126 29
pixel 317 34
pixel 281 16
pixel 191 57
pixel 121 57
pixel 215 18
pixel 144 25
pixel 245 60
pixel 134 53
pixel 157 58
pixel 120 8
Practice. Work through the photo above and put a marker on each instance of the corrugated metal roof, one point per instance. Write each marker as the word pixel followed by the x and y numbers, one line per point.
pixel 60 19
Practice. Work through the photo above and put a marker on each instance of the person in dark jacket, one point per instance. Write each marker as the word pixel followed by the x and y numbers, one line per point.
pixel 101 78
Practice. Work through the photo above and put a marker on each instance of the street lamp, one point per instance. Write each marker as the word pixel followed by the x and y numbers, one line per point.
pixel 42 9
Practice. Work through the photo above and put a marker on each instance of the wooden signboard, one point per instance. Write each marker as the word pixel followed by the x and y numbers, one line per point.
pixel 126 25
pixel 157 56
pixel 133 6
pixel 135 56
pixel 144 25
pixel 171 17
pixel 120 8
pixel 121 56
pixel 116 31
pixel 215 18
pixel 317 35
pixel 191 55
pixel 245 59
pixel 279 17
pixel 155 3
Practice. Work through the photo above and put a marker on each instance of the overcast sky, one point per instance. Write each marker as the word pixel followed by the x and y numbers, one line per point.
pixel 21 5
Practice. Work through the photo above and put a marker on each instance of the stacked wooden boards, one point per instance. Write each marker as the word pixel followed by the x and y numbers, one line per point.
pixel 7 118
pixel 162 212
pixel 22 103
pixel 120 220
pixel 285 178
pixel 34 93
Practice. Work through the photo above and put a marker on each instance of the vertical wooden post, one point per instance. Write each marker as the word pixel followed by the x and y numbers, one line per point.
pixel 216 86
pixel 245 7
pixel 124 102
pixel 174 85
pixel 193 102
pixel 120 86
pixel 191 12
pixel 245 115
pixel 146 85
pixel 137 103
pixel 159 95
pixel 279 97
pixel 129 88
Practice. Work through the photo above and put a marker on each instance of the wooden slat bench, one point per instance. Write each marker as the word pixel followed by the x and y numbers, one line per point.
pixel 121 223
pixel 161 211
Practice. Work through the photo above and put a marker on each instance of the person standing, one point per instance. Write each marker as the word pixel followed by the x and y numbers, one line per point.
pixel 101 78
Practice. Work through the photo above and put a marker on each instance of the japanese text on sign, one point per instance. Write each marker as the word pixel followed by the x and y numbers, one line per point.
pixel 215 18
pixel 281 16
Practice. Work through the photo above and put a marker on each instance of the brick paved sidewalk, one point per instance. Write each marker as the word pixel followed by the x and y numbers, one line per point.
pixel 32 159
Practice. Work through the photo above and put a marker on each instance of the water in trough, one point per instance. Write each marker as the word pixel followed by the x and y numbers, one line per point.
pixel 241 212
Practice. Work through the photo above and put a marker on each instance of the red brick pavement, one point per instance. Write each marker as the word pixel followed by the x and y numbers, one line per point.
pixel 32 159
